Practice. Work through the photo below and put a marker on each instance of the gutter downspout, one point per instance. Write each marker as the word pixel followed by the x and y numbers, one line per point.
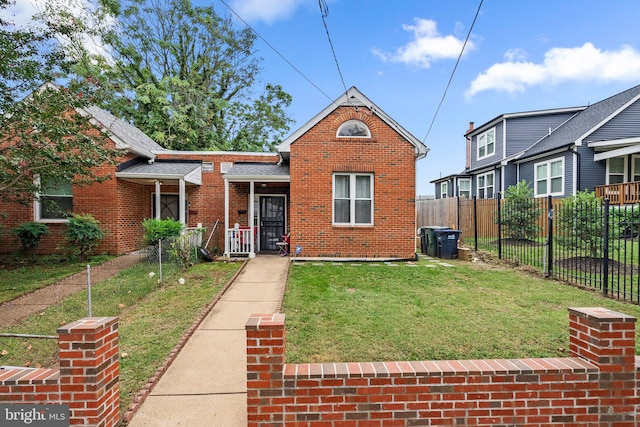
pixel 576 174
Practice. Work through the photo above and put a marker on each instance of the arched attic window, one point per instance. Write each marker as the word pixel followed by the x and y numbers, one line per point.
pixel 354 129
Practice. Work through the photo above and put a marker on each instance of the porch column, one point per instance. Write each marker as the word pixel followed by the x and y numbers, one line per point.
pixel 252 239
pixel 182 200
pixel 226 217
pixel 157 201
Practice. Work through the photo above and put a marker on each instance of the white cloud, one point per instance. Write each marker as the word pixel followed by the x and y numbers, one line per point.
pixel 584 63
pixel 428 45
pixel 266 10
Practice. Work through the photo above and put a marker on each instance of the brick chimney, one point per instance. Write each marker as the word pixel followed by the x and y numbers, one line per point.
pixel 468 159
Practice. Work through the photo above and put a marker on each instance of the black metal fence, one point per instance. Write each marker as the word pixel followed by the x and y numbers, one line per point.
pixel 584 241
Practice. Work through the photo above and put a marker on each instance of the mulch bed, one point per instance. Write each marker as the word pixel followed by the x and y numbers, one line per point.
pixel 593 265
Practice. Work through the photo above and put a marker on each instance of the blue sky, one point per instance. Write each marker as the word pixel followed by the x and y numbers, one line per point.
pixel 522 55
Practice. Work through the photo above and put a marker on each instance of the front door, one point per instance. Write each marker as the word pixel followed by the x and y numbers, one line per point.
pixel 272 221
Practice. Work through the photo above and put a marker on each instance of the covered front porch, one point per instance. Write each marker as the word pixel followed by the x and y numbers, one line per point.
pixel 622 157
pixel 256 199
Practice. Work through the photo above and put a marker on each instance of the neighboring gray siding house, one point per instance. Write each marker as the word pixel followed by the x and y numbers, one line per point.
pixel 559 151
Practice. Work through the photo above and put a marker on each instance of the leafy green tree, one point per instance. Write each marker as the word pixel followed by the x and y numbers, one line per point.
pixel 521 212
pixel 186 77
pixel 83 234
pixel 42 130
pixel 30 234
pixel 580 223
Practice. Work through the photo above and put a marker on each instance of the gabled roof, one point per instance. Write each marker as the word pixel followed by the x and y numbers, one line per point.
pixel 354 98
pixel 125 135
pixel 583 123
pixel 491 123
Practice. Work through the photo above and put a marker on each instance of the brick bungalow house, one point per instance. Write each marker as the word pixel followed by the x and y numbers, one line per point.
pixel 343 185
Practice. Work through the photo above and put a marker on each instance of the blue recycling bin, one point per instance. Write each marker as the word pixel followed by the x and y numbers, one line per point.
pixel 447 243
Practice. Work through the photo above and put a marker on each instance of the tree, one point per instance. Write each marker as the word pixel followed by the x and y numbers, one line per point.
pixel 187 78
pixel 521 212
pixel 42 131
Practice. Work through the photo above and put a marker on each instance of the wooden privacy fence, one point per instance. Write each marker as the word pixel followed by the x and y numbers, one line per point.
pixel 472 217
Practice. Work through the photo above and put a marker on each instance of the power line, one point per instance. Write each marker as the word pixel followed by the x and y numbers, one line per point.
pixel 324 12
pixel 275 50
pixel 453 72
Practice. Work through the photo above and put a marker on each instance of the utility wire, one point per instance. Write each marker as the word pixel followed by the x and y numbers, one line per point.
pixel 276 50
pixel 324 11
pixel 453 72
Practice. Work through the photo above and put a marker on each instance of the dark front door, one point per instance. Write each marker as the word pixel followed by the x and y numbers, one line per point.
pixel 272 217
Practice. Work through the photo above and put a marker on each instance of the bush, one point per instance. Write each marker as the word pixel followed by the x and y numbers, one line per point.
pixel 521 212
pixel 156 229
pixel 30 234
pixel 83 235
pixel 581 223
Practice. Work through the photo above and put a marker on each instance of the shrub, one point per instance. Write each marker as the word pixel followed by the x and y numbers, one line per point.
pixel 156 229
pixel 521 212
pixel 83 234
pixel 581 223
pixel 30 234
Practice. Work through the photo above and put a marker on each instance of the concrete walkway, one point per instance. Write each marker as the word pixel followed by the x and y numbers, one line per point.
pixel 206 384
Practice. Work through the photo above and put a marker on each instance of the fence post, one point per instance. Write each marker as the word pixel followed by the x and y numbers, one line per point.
pixel 475 223
pixel 458 212
pixel 499 227
pixel 605 266
pixel 549 236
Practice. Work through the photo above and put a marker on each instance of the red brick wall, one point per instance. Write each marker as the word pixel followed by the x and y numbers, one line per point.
pixel 121 206
pixel 88 378
pixel 597 386
pixel 317 154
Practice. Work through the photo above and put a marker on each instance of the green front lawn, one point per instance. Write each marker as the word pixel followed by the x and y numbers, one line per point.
pixel 345 312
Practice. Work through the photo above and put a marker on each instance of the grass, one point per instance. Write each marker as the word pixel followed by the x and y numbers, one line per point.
pixel 142 305
pixel 17 278
pixel 344 312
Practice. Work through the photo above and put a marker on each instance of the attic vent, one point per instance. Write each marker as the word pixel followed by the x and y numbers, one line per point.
pixel 207 166
pixel 225 166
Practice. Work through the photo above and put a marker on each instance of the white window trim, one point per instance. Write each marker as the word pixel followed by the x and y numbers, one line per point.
pixel 633 162
pixel 444 190
pixel 548 178
pixel 352 199
pixel 37 208
pixel 624 172
pixel 485 187
pixel 485 144
pixel 468 180
pixel 354 121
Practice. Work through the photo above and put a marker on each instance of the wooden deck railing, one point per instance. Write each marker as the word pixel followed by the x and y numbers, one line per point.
pixel 620 194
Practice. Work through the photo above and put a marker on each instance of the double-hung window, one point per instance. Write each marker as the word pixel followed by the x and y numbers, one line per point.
pixel 485 186
pixel 616 168
pixel 352 199
pixel 487 144
pixel 443 190
pixel 464 188
pixel 549 178
pixel 54 202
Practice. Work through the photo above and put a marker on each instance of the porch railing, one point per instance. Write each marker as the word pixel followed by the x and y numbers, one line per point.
pixel 620 194
pixel 239 241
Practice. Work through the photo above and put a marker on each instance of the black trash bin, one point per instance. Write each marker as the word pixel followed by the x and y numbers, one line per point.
pixel 430 245
pixel 447 243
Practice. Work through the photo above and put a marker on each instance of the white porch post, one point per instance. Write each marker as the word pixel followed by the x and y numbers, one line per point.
pixel 252 248
pixel 182 200
pixel 226 217
pixel 157 201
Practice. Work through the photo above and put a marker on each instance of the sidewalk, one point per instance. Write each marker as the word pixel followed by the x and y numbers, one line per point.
pixel 206 384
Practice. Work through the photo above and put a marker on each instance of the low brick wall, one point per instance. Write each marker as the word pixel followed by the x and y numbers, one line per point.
pixel 88 378
pixel 597 386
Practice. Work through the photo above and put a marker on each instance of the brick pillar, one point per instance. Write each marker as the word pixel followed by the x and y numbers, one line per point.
pixel 265 364
pixel 606 339
pixel 90 371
